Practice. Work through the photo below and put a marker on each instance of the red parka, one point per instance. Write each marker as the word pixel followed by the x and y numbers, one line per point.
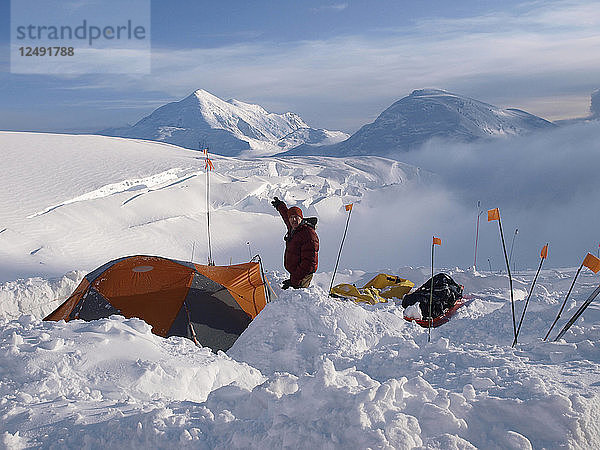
pixel 301 247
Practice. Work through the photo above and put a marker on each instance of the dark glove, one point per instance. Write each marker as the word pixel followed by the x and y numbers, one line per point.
pixel 286 284
pixel 276 202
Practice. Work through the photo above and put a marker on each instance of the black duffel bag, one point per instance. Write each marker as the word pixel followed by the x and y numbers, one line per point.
pixel 445 294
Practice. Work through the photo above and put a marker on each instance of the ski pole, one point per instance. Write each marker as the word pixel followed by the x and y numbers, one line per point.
pixel 477 235
pixel 348 208
pixel 208 166
pixel 543 256
pixel 512 245
pixel 435 241
pixel 579 312
pixel 592 263
pixel 494 214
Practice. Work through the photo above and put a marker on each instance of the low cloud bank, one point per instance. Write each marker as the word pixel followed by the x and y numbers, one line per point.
pixel 546 185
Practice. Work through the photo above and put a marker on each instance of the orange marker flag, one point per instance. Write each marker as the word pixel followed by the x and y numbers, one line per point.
pixel 493 214
pixel 544 253
pixel 209 165
pixel 437 241
pixel 349 207
pixel 592 263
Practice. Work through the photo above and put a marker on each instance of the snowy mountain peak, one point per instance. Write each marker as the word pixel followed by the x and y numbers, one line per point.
pixel 203 95
pixel 428 92
pixel 229 127
pixel 247 106
pixel 426 114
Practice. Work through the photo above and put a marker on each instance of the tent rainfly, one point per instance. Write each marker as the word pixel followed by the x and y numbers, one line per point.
pixel 212 305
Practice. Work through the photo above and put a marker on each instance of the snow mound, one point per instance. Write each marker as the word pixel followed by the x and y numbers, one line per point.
pixel 309 371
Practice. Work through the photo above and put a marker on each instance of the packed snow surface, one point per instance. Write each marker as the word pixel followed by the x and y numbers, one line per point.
pixel 310 370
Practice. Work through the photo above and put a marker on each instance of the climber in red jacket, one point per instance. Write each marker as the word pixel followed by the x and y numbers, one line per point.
pixel 301 256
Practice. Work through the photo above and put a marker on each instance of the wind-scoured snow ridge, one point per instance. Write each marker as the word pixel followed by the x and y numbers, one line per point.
pixel 430 114
pixel 314 371
pixel 229 128
pixel 148 183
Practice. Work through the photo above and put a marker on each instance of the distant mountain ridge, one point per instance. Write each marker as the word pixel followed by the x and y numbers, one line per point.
pixel 229 128
pixel 427 114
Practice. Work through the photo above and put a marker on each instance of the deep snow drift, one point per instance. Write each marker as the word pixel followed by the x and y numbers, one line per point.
pixel 310 371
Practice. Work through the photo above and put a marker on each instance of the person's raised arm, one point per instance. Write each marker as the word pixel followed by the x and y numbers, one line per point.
pixel 283 211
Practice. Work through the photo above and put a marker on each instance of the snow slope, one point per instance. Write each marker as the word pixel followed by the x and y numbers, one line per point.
pixel 427 114
pixel 230 128
pixel 310 371
pixel 76 202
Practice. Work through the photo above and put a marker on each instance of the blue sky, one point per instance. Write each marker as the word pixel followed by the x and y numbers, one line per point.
pixel 337 64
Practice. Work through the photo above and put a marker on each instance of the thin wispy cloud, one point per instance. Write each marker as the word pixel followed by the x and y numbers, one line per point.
pixel 345 81
pixel 335 7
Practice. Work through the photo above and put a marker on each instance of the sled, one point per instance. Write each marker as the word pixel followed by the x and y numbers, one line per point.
pixel 440 320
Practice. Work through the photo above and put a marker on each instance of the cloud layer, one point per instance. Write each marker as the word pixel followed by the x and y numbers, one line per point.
pixel 546 185
pixel 532 57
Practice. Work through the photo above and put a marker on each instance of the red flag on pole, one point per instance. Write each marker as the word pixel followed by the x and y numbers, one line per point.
pixel 493 214
pixel 592 263
pixel 349 207
pixel 544 253
pixel 437 241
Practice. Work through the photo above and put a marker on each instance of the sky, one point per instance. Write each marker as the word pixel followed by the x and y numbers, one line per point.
pixel 337 64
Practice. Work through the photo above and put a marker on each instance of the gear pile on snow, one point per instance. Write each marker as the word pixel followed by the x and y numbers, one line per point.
pixel 446 292
pixel 379 289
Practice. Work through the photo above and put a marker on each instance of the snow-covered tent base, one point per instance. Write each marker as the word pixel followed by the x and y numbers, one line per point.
pixel 211 305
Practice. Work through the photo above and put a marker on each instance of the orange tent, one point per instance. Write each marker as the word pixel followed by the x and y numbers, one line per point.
pixel 211 305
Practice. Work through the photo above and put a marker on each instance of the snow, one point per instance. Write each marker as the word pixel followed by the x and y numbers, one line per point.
pixel 428 114
pixel 114 196
pixel 310 370
pixel 231 127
